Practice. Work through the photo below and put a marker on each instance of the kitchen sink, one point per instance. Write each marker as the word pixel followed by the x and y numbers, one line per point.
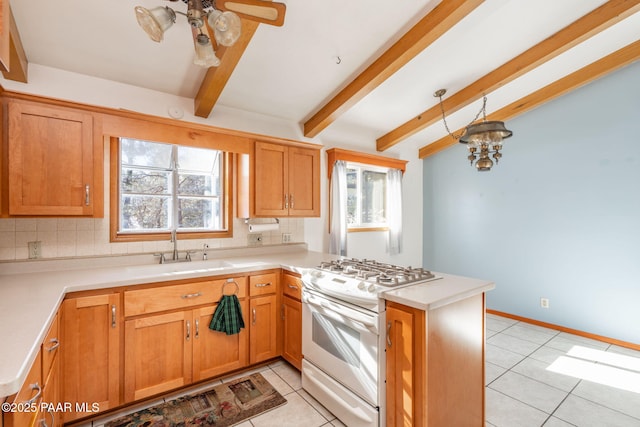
pixel 181 267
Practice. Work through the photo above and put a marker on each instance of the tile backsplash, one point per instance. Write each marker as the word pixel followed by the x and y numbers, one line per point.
pixel 84 237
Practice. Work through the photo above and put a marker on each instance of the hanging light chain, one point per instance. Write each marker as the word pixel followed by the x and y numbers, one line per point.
pixel 439 93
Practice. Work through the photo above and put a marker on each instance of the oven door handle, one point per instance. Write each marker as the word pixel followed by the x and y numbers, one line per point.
pixel 328 311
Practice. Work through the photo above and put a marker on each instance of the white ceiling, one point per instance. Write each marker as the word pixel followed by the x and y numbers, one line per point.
pixel 291 71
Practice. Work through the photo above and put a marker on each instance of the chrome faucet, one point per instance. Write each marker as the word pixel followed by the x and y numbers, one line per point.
pixel 175 256
pixel 174 239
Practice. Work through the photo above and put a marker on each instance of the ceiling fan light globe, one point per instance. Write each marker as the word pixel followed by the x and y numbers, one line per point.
pixel 226 27
pixel 205 55
pixel 156 21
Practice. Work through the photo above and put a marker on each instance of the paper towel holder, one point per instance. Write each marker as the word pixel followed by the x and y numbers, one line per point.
pixel 248 221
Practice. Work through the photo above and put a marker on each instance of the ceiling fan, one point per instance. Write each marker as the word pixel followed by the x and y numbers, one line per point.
pixel 222 16
pixel 262 11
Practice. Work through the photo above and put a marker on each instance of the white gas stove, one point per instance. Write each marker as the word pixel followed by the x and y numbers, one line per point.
pixel 361 281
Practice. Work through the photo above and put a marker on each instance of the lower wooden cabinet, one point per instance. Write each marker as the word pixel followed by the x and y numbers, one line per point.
pixel 435 361
pixel 263 321
pixel 405 355
pixel 40 392
pixel 292 319
pixel 215 353
pixel 263 328
pixel 29 395
pixel 91 336
pixel 158 354
pixel 171 349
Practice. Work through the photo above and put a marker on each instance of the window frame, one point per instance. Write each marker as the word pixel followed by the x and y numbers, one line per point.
pixel 361 168
pixel 366 159
pixel 114 220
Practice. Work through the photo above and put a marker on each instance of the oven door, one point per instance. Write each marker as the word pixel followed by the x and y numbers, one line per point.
pixel 343 342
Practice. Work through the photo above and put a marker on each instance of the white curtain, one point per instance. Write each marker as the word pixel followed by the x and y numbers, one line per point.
pixel 338 236
pixel 394 211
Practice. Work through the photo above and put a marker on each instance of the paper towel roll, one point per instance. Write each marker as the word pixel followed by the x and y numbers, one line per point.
pixel 259 228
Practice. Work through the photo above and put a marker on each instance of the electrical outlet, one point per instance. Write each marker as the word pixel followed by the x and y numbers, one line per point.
pixel 35 250
pixel 544 302
pixel 286 237
pixel 254 239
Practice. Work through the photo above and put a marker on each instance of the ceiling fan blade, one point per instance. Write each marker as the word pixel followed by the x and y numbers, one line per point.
pixel 256 10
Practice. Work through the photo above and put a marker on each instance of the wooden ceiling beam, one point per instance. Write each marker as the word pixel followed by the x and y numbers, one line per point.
pixel 598 20
pixel 216 78
pixel 437 22
pixel 587 74
pixel 17 66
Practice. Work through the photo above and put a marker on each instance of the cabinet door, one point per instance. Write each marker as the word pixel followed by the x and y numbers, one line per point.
pixel 158 354
pixel 405 362
pixel 304 182
pixel 214 352
pixel 292 331
pixel 29 394
pixel 91 352
pixel 263 328
pixel 271 180
pixel 51 169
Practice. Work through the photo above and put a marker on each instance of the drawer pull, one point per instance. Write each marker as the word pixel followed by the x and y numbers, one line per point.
pixel 254 315
pixel 35 386
pixel 262 285
pixel 87 195
pixel 389 334
pixel 286 202
pixel 197 328
pixel 292 286
pixel 188 330
pixel 55 345
pixel 188 296
pixel 291 200
pixel 113 316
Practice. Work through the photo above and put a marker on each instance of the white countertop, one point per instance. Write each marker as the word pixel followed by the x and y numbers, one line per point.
pixel 437 293
pixel 31 292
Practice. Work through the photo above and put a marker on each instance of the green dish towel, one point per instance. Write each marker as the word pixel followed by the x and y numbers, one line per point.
pixel 228 316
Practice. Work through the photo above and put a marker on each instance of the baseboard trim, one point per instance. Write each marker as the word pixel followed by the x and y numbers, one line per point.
pixel 565 329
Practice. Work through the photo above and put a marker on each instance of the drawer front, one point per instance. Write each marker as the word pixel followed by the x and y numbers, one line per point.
pixel 163 298
pixel 291 286
pixel 263 284
pixel 50 347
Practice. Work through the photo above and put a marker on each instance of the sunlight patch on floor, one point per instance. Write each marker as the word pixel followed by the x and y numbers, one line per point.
pixel 610 369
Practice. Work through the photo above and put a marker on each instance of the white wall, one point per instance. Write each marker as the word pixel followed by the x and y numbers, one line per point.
pixel 84 237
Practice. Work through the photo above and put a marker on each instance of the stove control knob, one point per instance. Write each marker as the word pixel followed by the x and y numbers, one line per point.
pixel 371 288
pixel 361 285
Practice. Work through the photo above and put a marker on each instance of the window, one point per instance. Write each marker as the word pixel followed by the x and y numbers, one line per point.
pixel 366 196
pixel 164 187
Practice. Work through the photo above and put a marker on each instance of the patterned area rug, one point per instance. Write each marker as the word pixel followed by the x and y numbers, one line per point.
pixel 224 405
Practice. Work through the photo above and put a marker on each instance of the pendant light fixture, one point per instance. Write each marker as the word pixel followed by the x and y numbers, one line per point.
pixel 483 138
pixel 226 27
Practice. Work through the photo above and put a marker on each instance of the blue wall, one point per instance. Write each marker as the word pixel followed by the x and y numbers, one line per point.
pixel 558 217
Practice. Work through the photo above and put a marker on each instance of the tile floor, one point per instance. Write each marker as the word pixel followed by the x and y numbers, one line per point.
pixel 534 377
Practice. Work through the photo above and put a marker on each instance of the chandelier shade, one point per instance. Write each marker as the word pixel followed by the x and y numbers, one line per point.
pixel 484 137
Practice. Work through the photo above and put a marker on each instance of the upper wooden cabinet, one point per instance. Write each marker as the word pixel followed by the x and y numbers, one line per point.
pixel 281 180
pixel 54 166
